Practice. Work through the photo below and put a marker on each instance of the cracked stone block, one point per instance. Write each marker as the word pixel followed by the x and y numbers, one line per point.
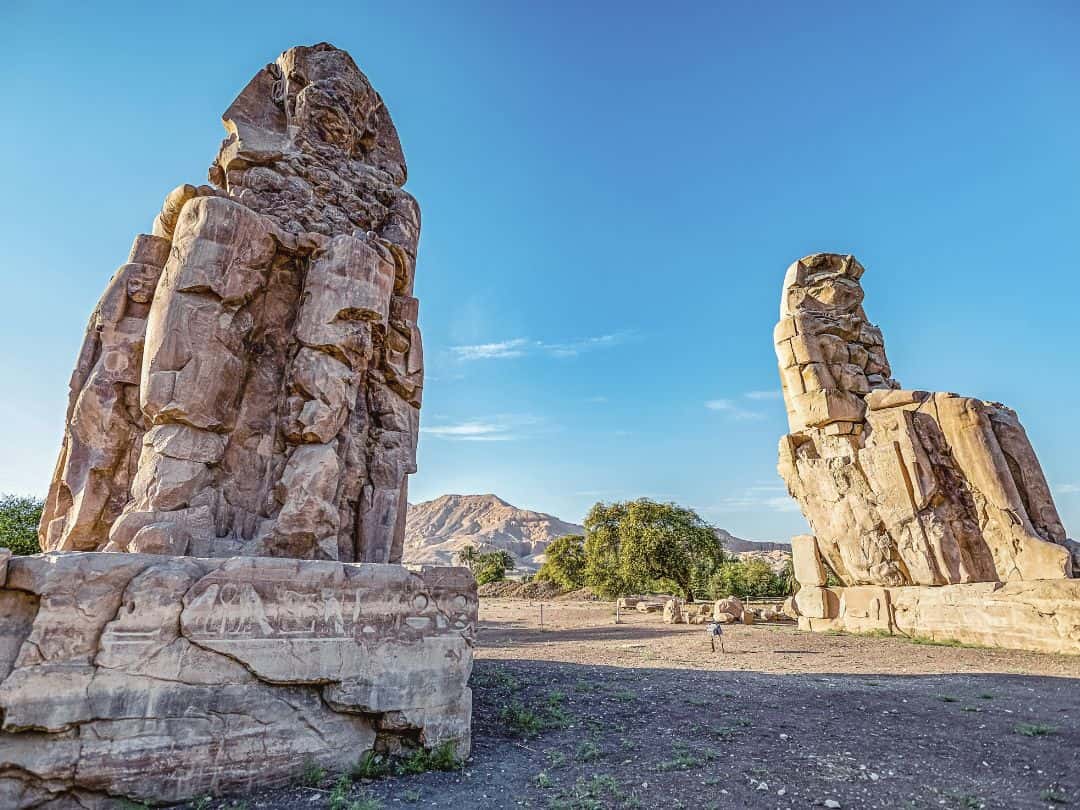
pixel 162 678
pixel 900 487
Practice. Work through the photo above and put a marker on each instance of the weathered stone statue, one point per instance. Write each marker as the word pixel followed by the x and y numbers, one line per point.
pixel 901 486
pixel 251 380
pixel 930 509
pixel 247 394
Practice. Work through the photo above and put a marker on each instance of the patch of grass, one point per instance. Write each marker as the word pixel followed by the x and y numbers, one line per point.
pixel 583 686
pixel 695 700
pixel 589 751
pixel 1034 729
pixel 497 678
pixel 947 698
pixel 986 696
pixel 412 796
pixel 1053 796
pixel 543 781
pixel 372 766
pixel 556 759
pixel 339 796
pixel 967 800
pixel 625 695
pixel 441 758
pixel 684 760
pixel 520 719
pixel 365 803
pixel 528 721
pixel 312 773
pixel 937 642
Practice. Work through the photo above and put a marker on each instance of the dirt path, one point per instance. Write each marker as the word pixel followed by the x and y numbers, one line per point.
pixel 589 714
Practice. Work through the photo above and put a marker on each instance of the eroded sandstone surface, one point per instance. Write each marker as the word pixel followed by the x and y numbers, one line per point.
pixel 250 381
pixel 162 678
pixel 901 487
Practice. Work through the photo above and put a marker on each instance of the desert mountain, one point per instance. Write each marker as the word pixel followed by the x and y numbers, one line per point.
pixel 736 544
pixel 436 530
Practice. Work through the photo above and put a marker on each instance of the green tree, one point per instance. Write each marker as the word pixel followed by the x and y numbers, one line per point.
pixel 745 578
pixel 492 566
pixel 19 518
pixel 667 542
pixel 629 546
pixel 468 557
pixel 564 562
pixel 603 572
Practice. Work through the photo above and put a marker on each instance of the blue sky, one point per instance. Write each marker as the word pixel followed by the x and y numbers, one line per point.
pixel 611 195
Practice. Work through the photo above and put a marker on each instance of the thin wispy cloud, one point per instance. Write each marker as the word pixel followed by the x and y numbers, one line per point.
pixel 763 395
pixel 470 432
pixel 497 428
pixel 733 409
pixel 492 351
pixel 1067 489
pixel 521 347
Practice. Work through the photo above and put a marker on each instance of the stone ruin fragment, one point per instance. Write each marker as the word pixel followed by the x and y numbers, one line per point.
pixel 903 487
pixel 250 381
pixel 242 423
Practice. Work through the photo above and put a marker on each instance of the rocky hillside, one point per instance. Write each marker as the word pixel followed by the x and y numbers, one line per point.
pixel 436 530
pixel 736 544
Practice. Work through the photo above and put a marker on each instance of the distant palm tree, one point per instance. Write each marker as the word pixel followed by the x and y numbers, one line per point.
pixel 468 557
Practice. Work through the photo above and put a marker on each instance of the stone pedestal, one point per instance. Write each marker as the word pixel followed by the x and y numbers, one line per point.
pixel 1038 615
pixel 159 679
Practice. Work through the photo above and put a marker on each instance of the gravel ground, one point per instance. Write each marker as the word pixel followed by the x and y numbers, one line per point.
pixel 589 714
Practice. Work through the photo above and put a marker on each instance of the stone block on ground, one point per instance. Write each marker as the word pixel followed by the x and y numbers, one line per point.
pixel 309 660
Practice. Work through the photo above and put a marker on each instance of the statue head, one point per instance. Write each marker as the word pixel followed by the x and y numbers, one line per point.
pixel 827 283
pixel 312 99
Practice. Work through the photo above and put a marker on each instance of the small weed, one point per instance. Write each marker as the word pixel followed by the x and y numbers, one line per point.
pixel 947 698
pixel 583 686
pixel 967 800
pixel 695 700
pixel 683 760
pixel 589 751
pixel 556 759
pixel 986 696
pixel 1053 796
pixel 372 766
pixel 365 803
pixel 543 781
pixel 412 796
pixel 1034 729
pixel 339 796
pixel 312 774
pixel 625 695
pixel 442 758
pixel 627 744
pixel 521 720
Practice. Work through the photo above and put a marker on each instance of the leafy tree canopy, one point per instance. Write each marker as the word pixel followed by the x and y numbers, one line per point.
pixel 564 562
pixel 19 518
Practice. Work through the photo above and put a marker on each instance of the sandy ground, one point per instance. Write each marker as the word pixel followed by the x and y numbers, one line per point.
pixel 588 714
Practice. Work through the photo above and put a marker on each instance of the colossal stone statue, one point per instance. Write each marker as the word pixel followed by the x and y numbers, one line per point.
pixel 247 393
pixel 250 382
pixel 901 487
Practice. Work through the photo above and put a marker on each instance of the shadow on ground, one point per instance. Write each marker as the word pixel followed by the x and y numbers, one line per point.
pixel 562 735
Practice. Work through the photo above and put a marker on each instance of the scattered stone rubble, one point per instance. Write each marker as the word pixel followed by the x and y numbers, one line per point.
pixel 908 488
